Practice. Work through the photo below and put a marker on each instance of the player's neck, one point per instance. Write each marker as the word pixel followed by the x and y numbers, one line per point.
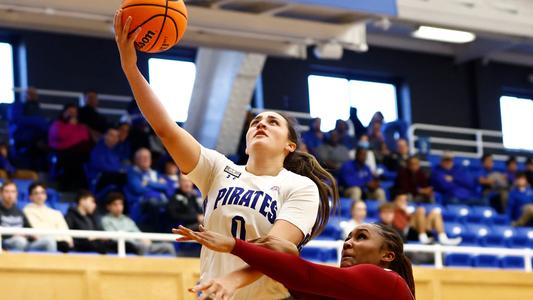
pixel 264 166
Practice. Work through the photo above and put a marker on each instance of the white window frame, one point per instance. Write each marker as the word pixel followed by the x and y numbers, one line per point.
pixel 7 73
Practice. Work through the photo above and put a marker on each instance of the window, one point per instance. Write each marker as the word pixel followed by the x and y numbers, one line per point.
pixel 173 81
pixel 516 122
pixel 7 83
pixel 330 99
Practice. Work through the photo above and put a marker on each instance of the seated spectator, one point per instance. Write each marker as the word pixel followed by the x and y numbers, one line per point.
pixel 529 170
pixel 416 226
pixel 386 213
pixel 105 164
pixel 332 154
pixel 397 159
pixel 520 208
pixel 145 190
pixel 357 179
pixel 115 220
pixel 359 213
pixel 453 182
pixel 171 175
pixel 355 127
pixel 124 145
pixel 71 141
pixel 183 208
pixel 494 185
pixel 377 142
pixel 342 129
pixel 370 157
pixel 9 171
pixel 83 217
pixel 511 169
pixel 29 129
pixel 90 116
pixel 11 216
pixel 314 137
pixel 411 180
pixel 41 216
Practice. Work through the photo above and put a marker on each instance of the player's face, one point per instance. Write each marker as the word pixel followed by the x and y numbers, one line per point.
pixel 363 246
pixel 268 131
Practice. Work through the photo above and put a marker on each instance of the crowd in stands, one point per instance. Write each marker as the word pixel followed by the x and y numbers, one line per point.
pixel 124 179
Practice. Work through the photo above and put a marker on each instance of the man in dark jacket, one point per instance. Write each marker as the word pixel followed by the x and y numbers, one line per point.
pixel 414 182
pixel 183 208
pixel 82 217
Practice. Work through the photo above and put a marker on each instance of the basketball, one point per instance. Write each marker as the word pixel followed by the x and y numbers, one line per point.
pixel 163 23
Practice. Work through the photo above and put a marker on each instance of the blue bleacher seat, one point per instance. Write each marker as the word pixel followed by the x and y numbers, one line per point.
pixel 454 229
pixel 22 188
pixel 486 261
pixel 455 213
pixel 345 205
pixel 499 236
pixel 475 234
pixel 311 253
pixel 62 207
pixel 522 238
pixel 329 255
pixel 458 260
pixel 481 214
pixel 512 262
pixel 372 207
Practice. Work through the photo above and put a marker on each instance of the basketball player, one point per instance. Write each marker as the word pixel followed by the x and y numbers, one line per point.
pixel 370 255
pixel 279 192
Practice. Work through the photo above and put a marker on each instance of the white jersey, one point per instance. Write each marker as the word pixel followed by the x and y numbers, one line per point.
pixel 243 205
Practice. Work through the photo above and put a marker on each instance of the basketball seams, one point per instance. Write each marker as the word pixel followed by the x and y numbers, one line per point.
pixel 162 27
pixel 175 27
pixel 156 5
pixel 147 20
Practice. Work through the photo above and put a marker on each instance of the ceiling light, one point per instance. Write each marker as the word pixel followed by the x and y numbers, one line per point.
pixel 444 35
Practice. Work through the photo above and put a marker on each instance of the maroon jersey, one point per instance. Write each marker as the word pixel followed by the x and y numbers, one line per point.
pixel 308 280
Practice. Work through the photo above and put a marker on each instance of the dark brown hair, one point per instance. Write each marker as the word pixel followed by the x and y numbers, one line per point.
pixel 6 183
pixel 306 165
pixel 401 264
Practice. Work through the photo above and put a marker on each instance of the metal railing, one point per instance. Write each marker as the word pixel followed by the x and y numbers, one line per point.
pixel 122 237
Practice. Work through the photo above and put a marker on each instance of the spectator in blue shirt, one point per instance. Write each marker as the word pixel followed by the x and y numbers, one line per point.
pixel 105 164
pixel 453 182
pixel 511 166
pixel 493 184
pixel 145 190
pixel 314 137
pixel 520 208
pixel 357 179
pixel 124 144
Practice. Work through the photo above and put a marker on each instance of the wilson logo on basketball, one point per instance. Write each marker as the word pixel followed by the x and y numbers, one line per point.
pixel 145 40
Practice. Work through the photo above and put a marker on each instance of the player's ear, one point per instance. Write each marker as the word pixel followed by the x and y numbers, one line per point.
pixel 291 147
pixel 387 256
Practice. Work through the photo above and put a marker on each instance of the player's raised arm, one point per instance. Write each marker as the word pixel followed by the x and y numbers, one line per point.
pixel 183 148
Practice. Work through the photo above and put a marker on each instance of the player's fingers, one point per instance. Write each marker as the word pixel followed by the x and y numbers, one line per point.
pixel 117 23
pixel 201 227
pixel 135 34
pixel 126 28
pixel 183 239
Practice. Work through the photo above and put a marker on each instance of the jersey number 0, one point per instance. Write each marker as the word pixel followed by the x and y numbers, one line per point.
pixel 235 222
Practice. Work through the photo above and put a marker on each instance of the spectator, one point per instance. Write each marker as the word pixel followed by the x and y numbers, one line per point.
pixel 398 159
pixel 183 208
pixel 29 128
pixel 453 182
pixel 511 166
pixel 171 175
pixel 416 226
pixel 314 137
pixel 41 216
pixel 9 171
pixel 105 164
pixel 494 185
pixel 386 213
pixel 145 190
pixel 357 179
pixel 90 116
pixel 359 213
pixel 520 208
pixel 342 129
pixel 370 158
pixel 332 154
pixel 83 217
pixel 124 144
pixel 377 142
pixel 414 182
pixel 11 216
pixel 71 142
pixel 355 126
pixel 115 220
pixel 529 170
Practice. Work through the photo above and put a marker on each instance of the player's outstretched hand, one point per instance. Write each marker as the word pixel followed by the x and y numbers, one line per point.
pixel 125 41
pixel 212 240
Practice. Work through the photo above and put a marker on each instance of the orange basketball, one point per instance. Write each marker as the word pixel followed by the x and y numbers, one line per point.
pixel 163 22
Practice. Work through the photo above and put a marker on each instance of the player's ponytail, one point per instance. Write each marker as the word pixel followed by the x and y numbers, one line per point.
pixel 306 165
pixel 401 263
